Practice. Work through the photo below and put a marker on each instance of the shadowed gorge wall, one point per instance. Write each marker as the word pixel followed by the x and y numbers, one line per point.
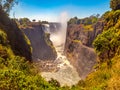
pixel 42 47
pixel 16 37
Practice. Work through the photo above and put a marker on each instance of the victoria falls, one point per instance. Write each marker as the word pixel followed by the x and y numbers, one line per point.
pixel 59 45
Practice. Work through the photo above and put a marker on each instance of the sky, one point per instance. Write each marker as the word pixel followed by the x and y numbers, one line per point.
pixel 54 10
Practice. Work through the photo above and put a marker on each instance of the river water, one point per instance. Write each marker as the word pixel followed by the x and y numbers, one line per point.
pixel 65 74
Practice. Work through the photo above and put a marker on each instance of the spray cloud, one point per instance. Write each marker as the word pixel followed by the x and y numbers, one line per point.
pixel 59 37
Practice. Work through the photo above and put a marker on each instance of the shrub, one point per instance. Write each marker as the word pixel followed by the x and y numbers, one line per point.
pixel 115 4
pixel 54 82
pixel 107 43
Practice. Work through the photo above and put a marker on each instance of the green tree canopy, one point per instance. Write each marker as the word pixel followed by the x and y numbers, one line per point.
pixel 6 5
pixel 108 43
pixel 115 4
pixel 24 21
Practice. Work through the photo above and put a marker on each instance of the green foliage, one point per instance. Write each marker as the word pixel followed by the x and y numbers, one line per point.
pixel 114 83
pixel 103 78
pixel 86 21
pixel 48 41
pixel 15 37
pixel 18 74
pixel 15 79
pixel 3 37
pixel 44 22
pixel 88 28
pixel 115 4
pixel 23 22
pixel 77 41
pixel 112 19
pixel 6 5
pixel 73 20
pixel 54 83
pixel 28 42
pixel 107 44
pixel 3 52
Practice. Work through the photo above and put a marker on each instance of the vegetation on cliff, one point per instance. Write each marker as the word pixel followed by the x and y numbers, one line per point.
pixel 18 73
pixel 115 4
pixel 15 37
pixel 107 46
pixel 6 5
pixel 86 21
pixel 49 42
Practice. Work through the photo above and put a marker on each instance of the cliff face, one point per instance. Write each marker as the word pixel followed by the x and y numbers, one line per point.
pixel 16 38
pixel 42 47
pixel 97 29
pixel 52 27
pixel 78 46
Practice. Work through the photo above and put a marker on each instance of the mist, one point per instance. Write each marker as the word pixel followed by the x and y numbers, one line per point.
pixel 59 37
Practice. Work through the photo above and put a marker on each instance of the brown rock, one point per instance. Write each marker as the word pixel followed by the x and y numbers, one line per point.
pixel 78 46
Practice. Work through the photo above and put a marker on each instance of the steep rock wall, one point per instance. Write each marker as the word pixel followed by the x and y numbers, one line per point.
pixel 42 47
pixel 16 37
pixel 78 47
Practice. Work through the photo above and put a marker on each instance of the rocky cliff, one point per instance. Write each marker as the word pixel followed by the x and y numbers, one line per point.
pixel 97 29
pixel 42 47
pixel 78 45
pixel 16 38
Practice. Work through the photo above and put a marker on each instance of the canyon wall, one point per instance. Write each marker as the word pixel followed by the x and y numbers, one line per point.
pixel 42 47
pixel 16 38
pixel 78 46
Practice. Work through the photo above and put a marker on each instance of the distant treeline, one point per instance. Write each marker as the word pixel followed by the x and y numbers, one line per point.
pixel 26 21
pixel 87 21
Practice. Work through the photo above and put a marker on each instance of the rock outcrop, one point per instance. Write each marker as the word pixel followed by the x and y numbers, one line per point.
pixel 42 47
pixel 97 29
pixel 78 47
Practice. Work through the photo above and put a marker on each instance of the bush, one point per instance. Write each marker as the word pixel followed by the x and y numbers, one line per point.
pixel 107 43
pixel 3 38
pixel 115 4
pixel 54 83
pixel 18 74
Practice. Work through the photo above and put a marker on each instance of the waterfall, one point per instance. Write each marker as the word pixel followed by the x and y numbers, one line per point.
pixel 66 73
pixel 46 28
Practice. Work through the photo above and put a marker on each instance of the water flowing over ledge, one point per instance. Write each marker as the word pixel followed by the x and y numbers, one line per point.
pixel 65 73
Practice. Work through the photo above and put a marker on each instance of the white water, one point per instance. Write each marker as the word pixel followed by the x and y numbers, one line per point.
pixel 66 74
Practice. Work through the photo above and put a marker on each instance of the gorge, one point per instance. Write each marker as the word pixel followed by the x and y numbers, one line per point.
pixel 69 53
pixel 63 52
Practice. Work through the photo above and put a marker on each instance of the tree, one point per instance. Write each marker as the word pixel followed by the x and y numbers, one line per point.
pixel 24 21
pixel 33 20
pixel 6 5
pixel 115 4
pixel 107 43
